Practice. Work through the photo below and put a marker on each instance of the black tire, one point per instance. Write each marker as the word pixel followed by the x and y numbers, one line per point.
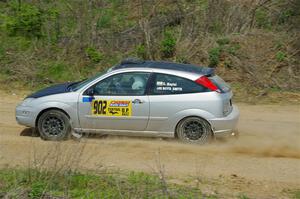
pixel 54 125
pixel 194 130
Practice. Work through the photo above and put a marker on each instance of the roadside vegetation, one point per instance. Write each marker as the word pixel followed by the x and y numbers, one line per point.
pixel 252 44
pixel 44 184
pixel 59 171
pixel 52 184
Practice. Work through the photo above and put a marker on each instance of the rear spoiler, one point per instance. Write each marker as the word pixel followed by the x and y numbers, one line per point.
pixel 208 72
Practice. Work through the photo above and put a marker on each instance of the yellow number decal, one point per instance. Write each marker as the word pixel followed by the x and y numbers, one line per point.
pixel 99 107
pixel 111 107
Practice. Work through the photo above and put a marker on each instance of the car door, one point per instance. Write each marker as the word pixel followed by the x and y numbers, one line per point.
pixel 119 102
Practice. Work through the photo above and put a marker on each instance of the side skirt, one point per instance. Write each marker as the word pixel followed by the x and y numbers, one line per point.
pixel 126 132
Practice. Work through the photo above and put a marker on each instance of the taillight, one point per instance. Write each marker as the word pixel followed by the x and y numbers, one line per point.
pixel 204 81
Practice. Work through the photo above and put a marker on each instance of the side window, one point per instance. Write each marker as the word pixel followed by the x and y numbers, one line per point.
pixel 164 84
pixel 133 83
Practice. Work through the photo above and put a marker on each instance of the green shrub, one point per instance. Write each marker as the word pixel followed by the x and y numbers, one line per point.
pixel 233 48
pixel 214 56
pixel 168 44
pixel 24 20
pixel 284 16
pixel 93 54
pixel 105 20
pixel 280 56
pixel 215 27
pixel 262 19
pixel 141 51
pixel 51 15
pixel 223 41
pixel 224 46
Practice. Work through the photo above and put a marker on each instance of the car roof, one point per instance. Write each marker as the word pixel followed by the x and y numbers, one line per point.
pixel 136 63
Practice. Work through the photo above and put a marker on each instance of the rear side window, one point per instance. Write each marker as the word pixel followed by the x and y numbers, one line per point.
pixel 164 84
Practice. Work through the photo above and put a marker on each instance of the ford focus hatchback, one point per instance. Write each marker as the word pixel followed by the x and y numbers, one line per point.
pixel 138 98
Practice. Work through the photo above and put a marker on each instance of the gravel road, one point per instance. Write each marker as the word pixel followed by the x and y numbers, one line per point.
pixel 264 162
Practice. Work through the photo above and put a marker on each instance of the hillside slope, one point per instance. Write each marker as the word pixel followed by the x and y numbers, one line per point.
pixel 254 45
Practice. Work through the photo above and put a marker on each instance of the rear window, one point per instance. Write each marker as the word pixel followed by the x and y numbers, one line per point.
pixel 220 83
pixel 164 84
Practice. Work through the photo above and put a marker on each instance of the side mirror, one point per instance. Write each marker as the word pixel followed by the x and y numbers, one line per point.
pixel 90 92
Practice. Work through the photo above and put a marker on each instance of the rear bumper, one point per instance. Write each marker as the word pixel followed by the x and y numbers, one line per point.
pixel 226 126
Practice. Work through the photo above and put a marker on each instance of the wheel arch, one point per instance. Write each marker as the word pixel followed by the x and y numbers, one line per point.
pixel 178 122
pixel 47 109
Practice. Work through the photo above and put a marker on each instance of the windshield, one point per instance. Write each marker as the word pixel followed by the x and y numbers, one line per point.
pixel 81 84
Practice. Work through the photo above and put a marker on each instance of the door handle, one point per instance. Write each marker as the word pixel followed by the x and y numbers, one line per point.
pixel 137 101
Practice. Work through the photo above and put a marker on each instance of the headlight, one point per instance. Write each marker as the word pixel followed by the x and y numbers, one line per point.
pixel 26 101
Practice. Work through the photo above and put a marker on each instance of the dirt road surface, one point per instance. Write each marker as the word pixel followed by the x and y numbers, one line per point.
pixel 263 163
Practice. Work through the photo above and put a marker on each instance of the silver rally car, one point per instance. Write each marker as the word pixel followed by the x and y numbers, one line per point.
pixel 141 98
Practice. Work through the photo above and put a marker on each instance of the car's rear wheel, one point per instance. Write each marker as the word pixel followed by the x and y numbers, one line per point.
pixel 194 130
pixel 54 125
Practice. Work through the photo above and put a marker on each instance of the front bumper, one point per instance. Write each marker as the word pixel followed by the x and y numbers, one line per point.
pixel 226 125
pixel 25 116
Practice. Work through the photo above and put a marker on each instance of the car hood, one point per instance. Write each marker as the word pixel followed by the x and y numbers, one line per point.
pixel 56 89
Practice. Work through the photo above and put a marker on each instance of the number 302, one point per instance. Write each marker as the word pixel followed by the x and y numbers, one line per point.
pixel 100 107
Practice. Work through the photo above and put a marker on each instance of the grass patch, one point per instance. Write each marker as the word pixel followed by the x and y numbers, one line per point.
pixel 38 184
pixel 243 196
pixel 296 194
pixel 55 72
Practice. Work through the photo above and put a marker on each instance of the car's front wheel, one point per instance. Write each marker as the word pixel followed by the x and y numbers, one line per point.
pixel 54 125
pixel 194 130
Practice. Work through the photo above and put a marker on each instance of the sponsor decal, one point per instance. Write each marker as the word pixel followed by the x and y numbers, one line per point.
pixel 119 103
pixel 160 83
pixel 111 107
pixel 168 88
pixel 177 89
